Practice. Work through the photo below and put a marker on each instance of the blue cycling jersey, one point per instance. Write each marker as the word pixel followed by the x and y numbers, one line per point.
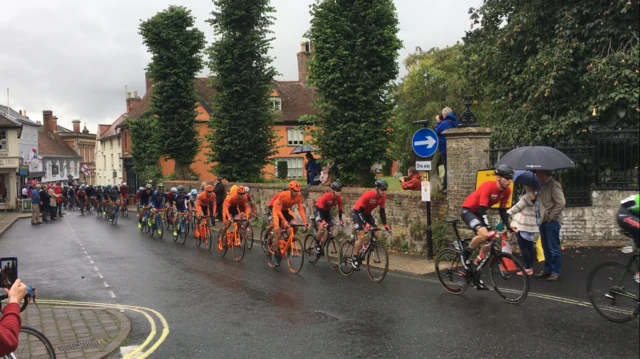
pixel 158 199
pixel 181 202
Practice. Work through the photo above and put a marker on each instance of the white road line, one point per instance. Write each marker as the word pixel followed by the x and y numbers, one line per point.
pixel 112 294
pixel 95 268
pixel 88 256
pixel 105 284
pixel 100 275
pixel 87 253
pixel 90 261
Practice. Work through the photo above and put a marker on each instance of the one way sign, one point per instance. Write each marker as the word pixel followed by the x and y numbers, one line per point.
pixel 424 142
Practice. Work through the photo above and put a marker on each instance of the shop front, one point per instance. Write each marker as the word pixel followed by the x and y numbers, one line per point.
pixel 9 167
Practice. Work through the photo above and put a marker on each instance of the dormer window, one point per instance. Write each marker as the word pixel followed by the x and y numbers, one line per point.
pixel 276 104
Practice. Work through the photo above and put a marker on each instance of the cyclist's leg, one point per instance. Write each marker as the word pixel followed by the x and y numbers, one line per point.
pixel 359 225
pixel 630 223
pixel 480 228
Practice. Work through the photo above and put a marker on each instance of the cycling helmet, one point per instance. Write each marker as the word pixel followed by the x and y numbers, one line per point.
pixel 294 185
pixel 246 188
pixel 180 188
pixel 124 184
pixel 174 190
pixel 381 184
pixel 241 190
pixel 160 185
pixel 149 186
pixel 504 171
pixel 194 192
pixel 208 188
pixel 336 186
pixel 141 189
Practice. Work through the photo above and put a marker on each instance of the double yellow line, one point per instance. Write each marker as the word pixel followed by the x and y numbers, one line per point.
pixel 142 310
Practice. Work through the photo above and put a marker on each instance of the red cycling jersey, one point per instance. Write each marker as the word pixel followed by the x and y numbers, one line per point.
pixel 328 200
pixel 124 191
pixel 369 201
pixel 487 195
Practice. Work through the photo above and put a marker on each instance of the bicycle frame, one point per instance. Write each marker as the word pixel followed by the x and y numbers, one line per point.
pixel 289 241
pixel 618 288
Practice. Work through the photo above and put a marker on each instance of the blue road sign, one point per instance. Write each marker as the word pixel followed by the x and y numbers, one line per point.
pixel 424 142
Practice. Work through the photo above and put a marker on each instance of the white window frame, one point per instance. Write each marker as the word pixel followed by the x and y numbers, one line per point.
pixel 295 166
pixel 295 136
pixel 276 103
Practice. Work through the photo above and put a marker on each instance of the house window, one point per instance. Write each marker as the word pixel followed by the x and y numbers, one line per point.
pixel 294 166
pixel 110 144
pixel 54 170
pixel 295 137
pixel 276 104
pixel 3 141
pixel 119 142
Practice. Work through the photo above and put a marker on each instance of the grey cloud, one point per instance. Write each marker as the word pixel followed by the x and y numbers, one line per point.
pixel 75 57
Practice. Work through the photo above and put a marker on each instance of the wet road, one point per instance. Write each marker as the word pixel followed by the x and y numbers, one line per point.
pixel 219 308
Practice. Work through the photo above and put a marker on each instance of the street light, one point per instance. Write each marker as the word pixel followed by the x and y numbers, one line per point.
pixel 467 118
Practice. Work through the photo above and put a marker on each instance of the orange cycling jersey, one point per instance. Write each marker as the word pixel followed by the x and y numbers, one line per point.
pixel 285 202
pixel 236 202
pixel 204 200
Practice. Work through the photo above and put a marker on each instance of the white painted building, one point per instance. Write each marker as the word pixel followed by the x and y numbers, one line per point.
pixel 9 160
pixel 28 141
pixel 60 162
pixel 108 153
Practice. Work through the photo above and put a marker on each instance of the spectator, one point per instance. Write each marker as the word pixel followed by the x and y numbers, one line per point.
pixel 444 122
pixel 58 196
pixel 25 192
pixel 202 185
pixel 53 203
pixel 412 182
pixel 44 203
pixel 11 320
pixel 221 194
pixel 313 170
pixel 30 192
pixel 35 207
pixel 524 223
pixel 548 210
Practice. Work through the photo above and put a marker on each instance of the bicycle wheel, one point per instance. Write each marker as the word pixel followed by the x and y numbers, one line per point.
pixel 125 211
pixel 512 288
pixel 209 237
pixel 198 238
pixel 346 250
pixel 249 236
pixel 33 344
pixel 377 263
pixel 239 246
pixel 159 226
pixel 178 230
pixel 221 243
pixel 263 242
pixel 295 256
pixel 310 249
pixel 613 291
pixel 184 230
pixel 115 216
pixel 450 271
pixel 331 253
pixel 82 210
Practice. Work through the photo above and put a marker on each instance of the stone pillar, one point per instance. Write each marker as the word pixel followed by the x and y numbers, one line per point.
pixel 467 150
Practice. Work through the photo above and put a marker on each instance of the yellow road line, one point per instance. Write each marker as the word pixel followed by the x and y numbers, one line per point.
pixel 142 310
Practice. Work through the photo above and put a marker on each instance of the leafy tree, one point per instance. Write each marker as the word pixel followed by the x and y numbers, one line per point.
pixel 353 63
pixel 176 49
pixel 436 79
pixel 144 149
pixel 546 64
pixel 242 138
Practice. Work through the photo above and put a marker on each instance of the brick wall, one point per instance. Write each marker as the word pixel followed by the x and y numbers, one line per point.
pixel 406 213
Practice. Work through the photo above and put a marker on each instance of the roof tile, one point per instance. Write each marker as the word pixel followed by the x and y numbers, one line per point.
pixel 51 144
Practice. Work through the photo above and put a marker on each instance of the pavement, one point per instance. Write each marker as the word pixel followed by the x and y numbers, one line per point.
pixel 217 307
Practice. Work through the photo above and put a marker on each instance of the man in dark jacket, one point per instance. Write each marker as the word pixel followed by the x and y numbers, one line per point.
pixel 44 199
pixel 221 194
pixel 444 122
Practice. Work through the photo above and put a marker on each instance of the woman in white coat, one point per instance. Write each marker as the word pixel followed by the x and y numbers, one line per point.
pixel 524 223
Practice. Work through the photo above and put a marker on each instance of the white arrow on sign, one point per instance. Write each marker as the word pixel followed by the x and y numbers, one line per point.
pixel 429 142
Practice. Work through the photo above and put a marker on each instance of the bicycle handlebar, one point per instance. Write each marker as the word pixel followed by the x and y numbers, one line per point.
pixel 31 293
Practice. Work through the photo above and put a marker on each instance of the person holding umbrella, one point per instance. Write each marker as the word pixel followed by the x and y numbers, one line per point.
pixel 548 209
pixel 523 220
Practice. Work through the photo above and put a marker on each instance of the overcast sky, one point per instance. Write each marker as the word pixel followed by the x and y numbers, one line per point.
pixel 75 57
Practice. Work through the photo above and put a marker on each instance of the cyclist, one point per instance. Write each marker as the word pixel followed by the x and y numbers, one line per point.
pixel 98 198
pixel 180 205
pixel 270 213
pixel 113 196
pixel 628 217
pixel 361 214
pixel 474 210
pixel 322 211
pixel 145 197
pixel 82 197
pixel 124 193
pixel 206 206
pixel 282 214
pixel 71 194
pixel 254 213
pixel 232 206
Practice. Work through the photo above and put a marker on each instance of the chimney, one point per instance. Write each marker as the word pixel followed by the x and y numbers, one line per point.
pixel 148 81
pixel 47 120
pixel 54 124
pixel 20 112
pixel 76 126
pixel 132 102
pixel 24 113
pixel 306 48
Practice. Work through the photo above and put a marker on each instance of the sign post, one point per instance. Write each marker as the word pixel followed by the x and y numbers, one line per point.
pixel 425 144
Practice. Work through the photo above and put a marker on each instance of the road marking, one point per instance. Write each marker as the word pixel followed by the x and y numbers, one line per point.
pixel 105 284
pixel 91 261
pixel 95 268
pixel 112 294
pixel 136 353
pixel 100 275
pixel 87 253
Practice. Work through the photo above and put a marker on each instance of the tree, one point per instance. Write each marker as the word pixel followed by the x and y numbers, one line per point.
pixel 546 64
pixel 144 149
pixel 436 79
pixel 242 138
pixel 176 49
pixel 353 64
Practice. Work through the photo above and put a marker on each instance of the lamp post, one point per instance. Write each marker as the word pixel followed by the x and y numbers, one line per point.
pixel 468 118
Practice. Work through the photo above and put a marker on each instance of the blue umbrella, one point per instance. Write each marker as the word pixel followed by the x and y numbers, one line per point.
pixel 527 178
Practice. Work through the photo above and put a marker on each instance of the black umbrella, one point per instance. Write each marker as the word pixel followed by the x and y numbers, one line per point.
pixel 536 158
pixel 303 149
